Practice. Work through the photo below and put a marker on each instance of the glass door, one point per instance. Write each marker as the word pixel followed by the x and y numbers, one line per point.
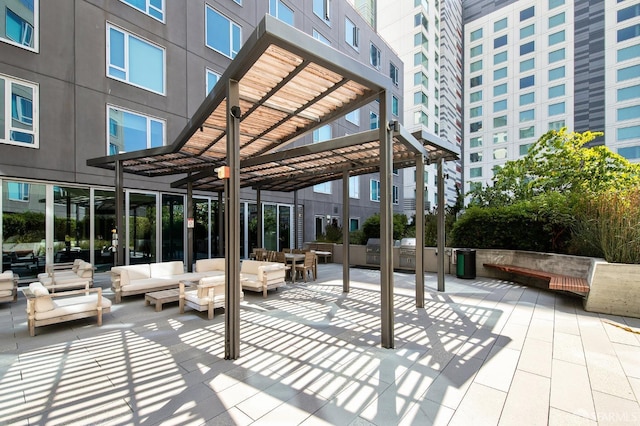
pixel 23 227
pixel 104 225
pixel 71 224
pixel 173 230
pixel 142 233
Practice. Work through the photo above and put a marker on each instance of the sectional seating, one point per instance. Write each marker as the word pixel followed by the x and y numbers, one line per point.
pixel 208 294
pixel 148 277
pixel 8 287
pixel 44 308
pixel 262 276
pixel 76 275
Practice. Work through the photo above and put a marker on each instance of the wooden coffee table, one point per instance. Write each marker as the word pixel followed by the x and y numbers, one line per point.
pixel 161 297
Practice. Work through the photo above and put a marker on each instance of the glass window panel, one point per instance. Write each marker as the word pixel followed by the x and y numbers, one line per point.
pixel 475 111
pixel 627 53
pixel 627 133
pixel 500 41
pixel 628 73
pixel 527 132
pixel 131 131
pixel 527 115
pixel 354 117
pixel 527 31
pixel 146 65
pixel 628 113
pixel 500 153
pixel 627 93
pixel 556 91
pixel 476 81
pixel 527 81
pixel 555 3
pixel 527 13
pixel 212 79
pixel 527 48
pixel 527 65
pixel 556 125
pixel 475 96
pixel 474 127
pixel 500 105
pixel 322 9
pixel 153 8
pixel 475 66
pixel 556 73
pixel 476 35
pixel 475 172
pixel 475 142
pixel 222 34
pixel 500 25
pixel 629 12
pixel 556 20
pixel 499 73
pixel 20 23
pixel 630 152
pixel 499 58
pixel 628 32
pixel 475 157
pixel 18 112
pixel 374 59
pixel 524 148
pixel 475 51
pixel 556 109
pixel 556 38
pixel 527 98
pixel 500 137
pixel 500 89
pixel 500 121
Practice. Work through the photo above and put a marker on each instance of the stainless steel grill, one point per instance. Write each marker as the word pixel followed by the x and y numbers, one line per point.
pixel 373 251
pixel 408 253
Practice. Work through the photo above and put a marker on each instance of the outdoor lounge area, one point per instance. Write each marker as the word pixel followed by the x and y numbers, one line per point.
pixel 486 351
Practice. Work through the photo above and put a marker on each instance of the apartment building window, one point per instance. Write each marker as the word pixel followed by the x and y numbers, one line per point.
pixel 323 133
pixel 374 121
pixel 499 58
pixel 395 105
pixel 627 93
pixel 475 66
pixel 527 48
pixel 527 132
pixel 527 115
pixel 500 73
pixel 374 57
pixel 527 65
pixel 395 194
pixel 132 131
pixel 527 13
pixel 556 38
pixel 18 112
pixel 628 12
pixel 628 32
pixel 556 73
pixel 527 81
pixel 556 20
pixel 394 73
pixel 500 105
pixel 500 41
pixel 500 137
pixel 556 91
pixel 628 113
pixel 524 148
pixel 420 79
pixel 475 51
pixel 527 98
pixel 320 37
pixel 354 186
pixel 238 1
pixel 374 190
pixel 212 79
pixel 420 40
pixel 500 25
pixel 135 61
pixel 475 96
pixel 475 142
pixel 499 121
pixel 322 9
pixel 556 55
pixel 476 35
pixel 420 20
pixel 420 117
pixel 475 81
pixel 475 172
pixel 556 125
pixel 475 111
pixel 500 153
pixel 555 3
pixel 628 73
pixel 351 34
pixel 20 23
pixel 281 11
pixel 354 224
pixel 627 133
pixel 475 127
pixel 420 59
pixel 500 89
pixel 354 117
pixel 18 191
pixel 627 53
pixel 222 34
pixel 475 157
pixel 527 31
pixel 629 152
pixel 153 8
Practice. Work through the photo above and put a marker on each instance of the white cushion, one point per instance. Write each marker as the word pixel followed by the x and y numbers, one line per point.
pixel 204 265
pixel 74 305
pixel 164 269
pixel 6 275
pixel 134 272
pixel 43 302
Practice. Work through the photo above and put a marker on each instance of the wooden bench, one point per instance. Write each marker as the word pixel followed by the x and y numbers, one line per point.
pixel 556 281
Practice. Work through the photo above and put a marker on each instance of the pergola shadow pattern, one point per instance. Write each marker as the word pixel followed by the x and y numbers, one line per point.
pixel 310 357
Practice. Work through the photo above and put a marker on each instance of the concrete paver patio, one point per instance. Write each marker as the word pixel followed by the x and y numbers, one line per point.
pixel 483 352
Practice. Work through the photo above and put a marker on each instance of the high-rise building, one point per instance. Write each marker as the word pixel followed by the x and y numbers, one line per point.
pixel 84 79
pixel 531 66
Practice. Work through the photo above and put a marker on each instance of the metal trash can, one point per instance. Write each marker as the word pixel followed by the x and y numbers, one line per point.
pixel 466 263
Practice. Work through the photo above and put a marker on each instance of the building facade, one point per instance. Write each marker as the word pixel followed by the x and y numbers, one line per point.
pixel 532 66
pixel 84 79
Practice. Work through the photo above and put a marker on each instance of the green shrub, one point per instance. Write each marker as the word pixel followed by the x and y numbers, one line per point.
pixel 371 226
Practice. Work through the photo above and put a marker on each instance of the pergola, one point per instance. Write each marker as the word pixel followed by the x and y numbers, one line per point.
pixel 282 85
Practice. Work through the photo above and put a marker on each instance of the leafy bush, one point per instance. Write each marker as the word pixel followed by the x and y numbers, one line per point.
pixel 371 226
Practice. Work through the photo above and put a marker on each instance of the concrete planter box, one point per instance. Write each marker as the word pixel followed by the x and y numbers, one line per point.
pixel 615 289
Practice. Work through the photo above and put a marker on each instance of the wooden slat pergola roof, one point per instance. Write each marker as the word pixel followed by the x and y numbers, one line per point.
pixel 289 84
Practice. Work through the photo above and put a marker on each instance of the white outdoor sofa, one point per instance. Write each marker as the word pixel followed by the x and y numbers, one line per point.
pixel 261 276
pixel 67 276
pixel 144 278
pixel 8 287
pixel 44 308
pixel 207 295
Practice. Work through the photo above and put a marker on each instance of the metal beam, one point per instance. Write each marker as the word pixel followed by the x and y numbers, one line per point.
pixel 120 231
pixel 260 218
pixel 190 229
pixel 386 223
pixel 345 232
pixel 232 254
pixel 441 233
pixel 420 232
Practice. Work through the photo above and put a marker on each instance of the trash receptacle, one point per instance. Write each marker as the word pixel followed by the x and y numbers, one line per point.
pixel 466 263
